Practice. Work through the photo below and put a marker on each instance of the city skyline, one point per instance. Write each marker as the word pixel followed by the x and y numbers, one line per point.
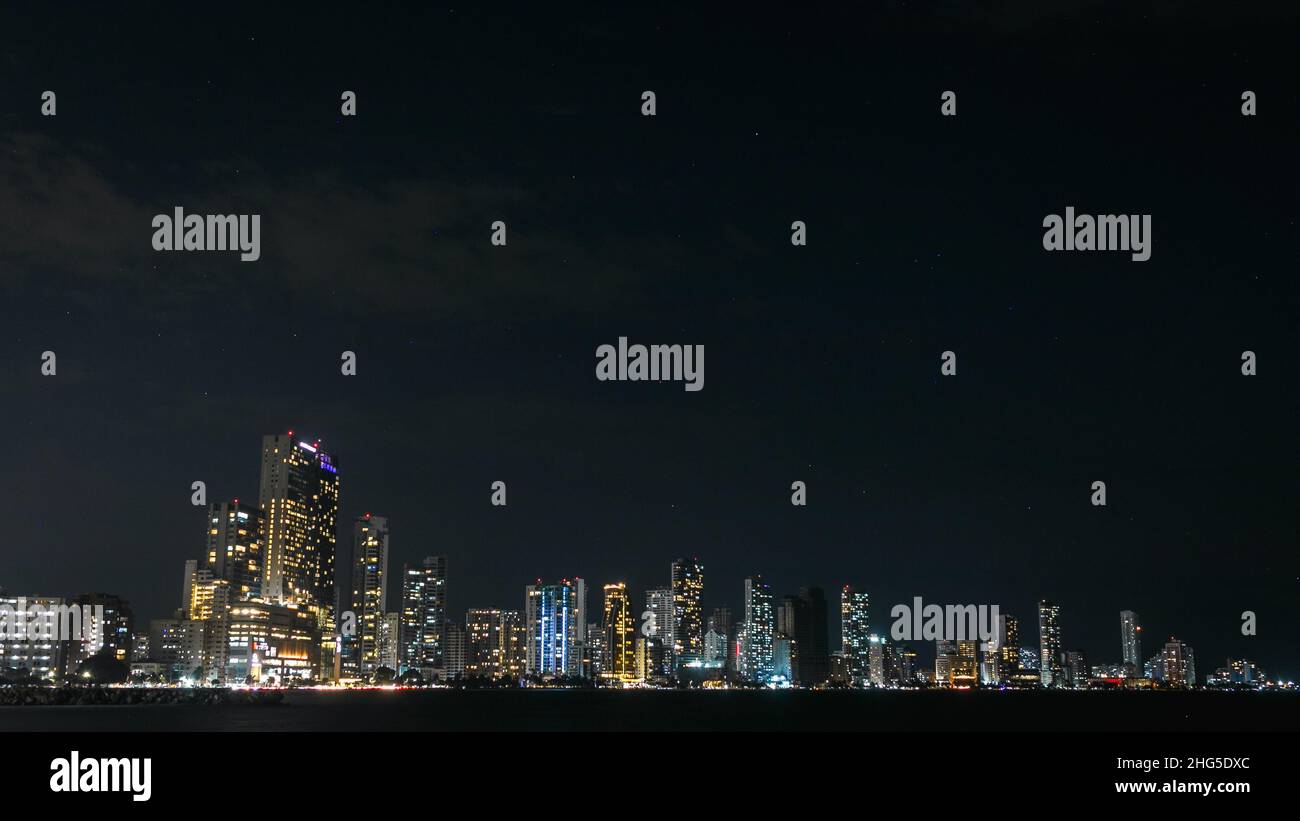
pixel 233 545
pixel 478 363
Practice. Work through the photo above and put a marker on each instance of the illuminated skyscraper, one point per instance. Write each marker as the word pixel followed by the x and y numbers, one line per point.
pixel 549 613
pixel 109 630
pixel 390 641
pixel 424 608
pixel 964 671
pixel 687 625
pixel 715 647
pixel 597 655
pixel 855 632
pixel 1130 636
pixel 453 652
pixel 299 498
pixel 760 627
pixel 620 633
pixel 579 620
pixel 514 645
pixel 369 587
pixel 660 602
pixel 210 600
pixel 483 643
pixel 234 547
pixel 882 662
pixel 269 641
pixel 1179 664
pixel 1049 644
pixel 30 633
pixel 1008 648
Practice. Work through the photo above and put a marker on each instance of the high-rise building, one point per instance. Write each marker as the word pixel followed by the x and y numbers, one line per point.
pixel 854 632
pixel 840 675
pixel 945 654
pixel 660 603
pixel 809 629
pixel 424 609
pixel 453 654
pixel 760 627
pixel 687 624
pixel 620 633
pixel 720 622
pixel 369 587
pixel 1179 664
pixel 32 633
pixel 549 613
pixel 1029 659
pixel 483 643
pixel 179 646
pixel 270 641
pixel 965 667
pixel 785 658
pixel 1049 644
pixel 187 589
pixel 514 645
pixel 597 656
pixel 579 620
pixel 390 641
pixel 108 626
pixel 299 498
pixel 882 662
pixel 1130 636
pixel 1008 648
pixel 715 647
pixel 1076 669
pixel 234 547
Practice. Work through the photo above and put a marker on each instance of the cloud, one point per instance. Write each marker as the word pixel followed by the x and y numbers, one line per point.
pixel 403 246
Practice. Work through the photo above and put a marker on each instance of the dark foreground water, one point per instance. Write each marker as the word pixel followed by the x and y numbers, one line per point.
pixel 706 710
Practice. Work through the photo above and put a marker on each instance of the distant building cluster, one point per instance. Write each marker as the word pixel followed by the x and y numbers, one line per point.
pixel 260 606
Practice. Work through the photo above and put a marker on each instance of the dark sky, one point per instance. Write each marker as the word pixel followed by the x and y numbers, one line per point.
pixel 478 363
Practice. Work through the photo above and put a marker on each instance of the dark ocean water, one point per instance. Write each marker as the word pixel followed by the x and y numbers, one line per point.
pixel 393 711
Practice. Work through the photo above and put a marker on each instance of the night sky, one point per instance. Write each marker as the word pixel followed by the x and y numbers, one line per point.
pixel 477 363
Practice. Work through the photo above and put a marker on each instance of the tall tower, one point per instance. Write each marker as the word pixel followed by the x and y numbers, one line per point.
pixel 424 610
pixel 549 616
pixel 1049 644
pixel 687 626
pixel 1008 647
pixel 1130 636
pixel 620 633
pixel 483 645
pixel 810 614
pixel 234 547
pixel 514 645
pixel 760 625
pixel 660 602
pixel 299 498
pixel 855 632
pixel 580 622
pixel 369 586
